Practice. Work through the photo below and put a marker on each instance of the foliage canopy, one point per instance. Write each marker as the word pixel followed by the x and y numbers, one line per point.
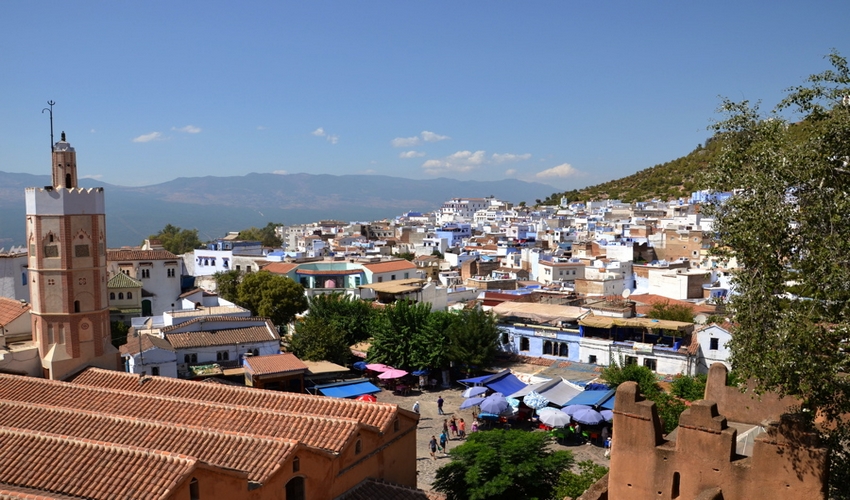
pixel 266 235
pixel 502 465
pixel 176 240
pixel 275 297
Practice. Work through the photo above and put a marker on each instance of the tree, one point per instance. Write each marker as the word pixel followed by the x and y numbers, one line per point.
pixel 687 387
pixel 789 219
pixel 674 312
pixel 316 339
pixel 394 330
pixel 227 284
pixel 669 407
pixel 502 464
pixel 178 241
pixel 406 256
pixel 266 235
pixel 352 316
pixel 573 485
pixel 473 337
pixel 119 331
pixel 269 295
pixel 431 348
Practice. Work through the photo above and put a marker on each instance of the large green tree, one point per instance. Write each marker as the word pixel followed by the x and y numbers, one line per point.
pixel 176 240
pixel 473 338
pixel 316 339
pixel 269 295
pixel 352 316
pixel 227 284
pixel 788 222
pixel 266 235
pixel 393 332
pixel 502 465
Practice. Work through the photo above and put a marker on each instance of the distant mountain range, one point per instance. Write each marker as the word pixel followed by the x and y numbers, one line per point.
pixel 216 205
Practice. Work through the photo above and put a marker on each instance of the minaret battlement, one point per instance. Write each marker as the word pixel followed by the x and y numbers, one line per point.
pixel 61 201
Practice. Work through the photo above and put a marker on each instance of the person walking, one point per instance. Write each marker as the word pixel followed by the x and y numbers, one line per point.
pixel 444 438
pixel 446 427
pixel 461 429
pixel 440 405
pixel 416 407
pixel 432 446
pixel 453 426
pixel 474 426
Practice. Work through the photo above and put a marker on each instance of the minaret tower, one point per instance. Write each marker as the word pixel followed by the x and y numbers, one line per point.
pixel 66 237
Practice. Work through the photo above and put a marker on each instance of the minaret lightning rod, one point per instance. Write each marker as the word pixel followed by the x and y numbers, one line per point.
pixel 50 110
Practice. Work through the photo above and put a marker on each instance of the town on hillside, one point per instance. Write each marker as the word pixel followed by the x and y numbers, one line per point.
pixel 318 367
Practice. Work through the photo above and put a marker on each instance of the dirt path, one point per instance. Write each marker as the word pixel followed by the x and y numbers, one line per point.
pixel 431 423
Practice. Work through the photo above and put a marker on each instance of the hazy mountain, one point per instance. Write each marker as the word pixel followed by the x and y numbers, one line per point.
pixel 215 205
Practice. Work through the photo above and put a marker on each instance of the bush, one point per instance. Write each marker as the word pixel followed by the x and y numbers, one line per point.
pixel 690 388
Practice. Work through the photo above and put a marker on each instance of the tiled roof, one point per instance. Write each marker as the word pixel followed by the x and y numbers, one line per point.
pixel 393 265
pixel 231 336
pixel 324 432
pixel 328 272
pixel 378 415
pixel 372 489
pixel 258 457
pixel 76 466
pixel 279 267
pixel 148 342
pixel 11 309
pixel 121 280
pixel 276 363
pixel 125 255
pixel 217 319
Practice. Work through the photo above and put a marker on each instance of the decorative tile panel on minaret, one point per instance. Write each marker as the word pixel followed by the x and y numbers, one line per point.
pixel 66 239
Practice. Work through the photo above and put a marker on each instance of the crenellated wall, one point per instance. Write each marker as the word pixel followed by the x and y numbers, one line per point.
pixel 744 406
pixel 787 461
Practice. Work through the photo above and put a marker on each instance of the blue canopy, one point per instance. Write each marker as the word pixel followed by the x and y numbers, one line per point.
pixel 504 382
pixel 475 380
pixel 350 389
pixel 420 372
pixel 592 398
pixel 608 404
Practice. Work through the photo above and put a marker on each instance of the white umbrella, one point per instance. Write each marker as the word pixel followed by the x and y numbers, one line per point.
pixel 535 401
pixel 555 418
pixel 474 391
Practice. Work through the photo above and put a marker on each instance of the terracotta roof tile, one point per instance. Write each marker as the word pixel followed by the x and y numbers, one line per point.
pixel 70 465
pixel 258 457
pixel 393 265
pixel 380 415
pixel 11 309
pixel 217 319
pixel 231 336
pixel 125 255
pixel 327 432
pixel 148 342
pixel 121 280
pixel 373 489
pixel 279 267
pixel 276 363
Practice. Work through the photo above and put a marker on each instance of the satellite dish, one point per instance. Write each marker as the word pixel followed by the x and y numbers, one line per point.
pixel 626 294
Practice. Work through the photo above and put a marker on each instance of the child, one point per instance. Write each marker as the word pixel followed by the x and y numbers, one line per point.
pixel 474 426
pixel 444 437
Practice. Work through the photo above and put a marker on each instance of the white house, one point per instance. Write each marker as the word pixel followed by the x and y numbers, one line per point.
pixel 713 347
pixel 13 274
pixel 158 270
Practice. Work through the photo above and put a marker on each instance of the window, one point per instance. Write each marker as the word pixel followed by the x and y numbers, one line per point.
pixel 358 447
pixel 296 464
pixel 170 271
pixel 23 279
pixel 146 273
pixel 357 281
pixel 547 347
pixel 392 277
pixel 395 425
pixel 81 251
pixel 631 360
pixel 222 356
pixel 51 251
pixel 505 338
pixel 155 371
pixel 76 306
pixel 129 295
pixel 564 350
pixel 194 490
pixel 238 267
pixel 190 358
pixel 523 343
pixel 406 275
pixel 591 359
pixel 714 344
pixel 255 352
pixel 111 295
pixel 120 295
pixel 380 279
pixel 50 339
pixel 650 363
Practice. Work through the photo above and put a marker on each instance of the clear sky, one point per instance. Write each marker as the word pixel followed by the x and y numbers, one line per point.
pixel 568 93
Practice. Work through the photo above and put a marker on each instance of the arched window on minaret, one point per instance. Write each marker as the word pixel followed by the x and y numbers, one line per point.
pixel 68 181
pixel 76 306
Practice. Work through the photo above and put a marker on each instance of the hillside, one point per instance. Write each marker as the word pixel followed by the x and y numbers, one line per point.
pixel 676 178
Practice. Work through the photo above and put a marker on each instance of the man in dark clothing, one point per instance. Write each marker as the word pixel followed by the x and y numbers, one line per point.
pixel 440 405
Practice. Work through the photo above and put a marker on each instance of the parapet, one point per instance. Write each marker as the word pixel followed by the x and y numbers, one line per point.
pixel 744 406
pixel 63 201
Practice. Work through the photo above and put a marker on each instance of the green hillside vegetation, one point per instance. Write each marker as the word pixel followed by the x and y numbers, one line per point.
pixel 674 179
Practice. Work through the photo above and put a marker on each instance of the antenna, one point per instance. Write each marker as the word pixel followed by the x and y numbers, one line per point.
pixel 50 110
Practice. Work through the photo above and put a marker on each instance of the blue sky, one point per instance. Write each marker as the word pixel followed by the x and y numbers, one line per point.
pixel 564 92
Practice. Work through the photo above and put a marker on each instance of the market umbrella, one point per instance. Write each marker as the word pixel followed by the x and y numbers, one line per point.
pixel 421 372
pixel 474 391
pixel 366 397
pixel 588 417
pixel 392 373
pixel 549 409
pixel 608 415
pixel 535 401
pixel 469 403
pixel 494 404
pixel 555 418
pixel 571 409
pixel 514 402
pixel 378 367
pixel 360 365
